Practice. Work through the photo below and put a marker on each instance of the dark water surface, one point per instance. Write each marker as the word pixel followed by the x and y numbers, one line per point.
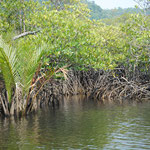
pixel 79 125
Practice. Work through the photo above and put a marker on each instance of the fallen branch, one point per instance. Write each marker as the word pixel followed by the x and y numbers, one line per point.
pixel 25 34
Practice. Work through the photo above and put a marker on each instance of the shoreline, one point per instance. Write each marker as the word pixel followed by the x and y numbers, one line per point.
pixel 97 85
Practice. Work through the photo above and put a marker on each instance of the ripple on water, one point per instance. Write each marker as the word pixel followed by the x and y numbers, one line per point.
pixel 78 126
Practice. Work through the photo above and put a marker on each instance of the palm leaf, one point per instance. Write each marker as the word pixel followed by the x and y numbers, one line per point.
pixel 30 61
pixel 8 66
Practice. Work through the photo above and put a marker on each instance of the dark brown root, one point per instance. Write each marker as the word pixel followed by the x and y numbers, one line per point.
pixel 95 85
pixel 98 85
pixel 106 86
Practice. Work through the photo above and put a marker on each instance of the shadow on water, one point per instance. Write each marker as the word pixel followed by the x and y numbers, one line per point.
pixel 79 124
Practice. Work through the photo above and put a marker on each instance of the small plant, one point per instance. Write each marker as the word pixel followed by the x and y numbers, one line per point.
pixel 19 70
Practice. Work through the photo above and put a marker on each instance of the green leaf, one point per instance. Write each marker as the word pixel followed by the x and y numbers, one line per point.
pixel 8 66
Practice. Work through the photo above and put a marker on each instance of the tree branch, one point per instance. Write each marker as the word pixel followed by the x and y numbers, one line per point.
pixel 25 34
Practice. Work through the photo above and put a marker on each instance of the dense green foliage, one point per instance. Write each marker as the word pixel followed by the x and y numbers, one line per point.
pixel 112 13
pixel 67 32
pixel 98 13
pixel 67 37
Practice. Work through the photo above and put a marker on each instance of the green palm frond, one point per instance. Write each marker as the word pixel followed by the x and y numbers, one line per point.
pixel 8 66
pixel 29 65
pixel 19 66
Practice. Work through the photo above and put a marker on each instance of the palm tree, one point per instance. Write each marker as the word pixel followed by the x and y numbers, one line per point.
pixel 17 69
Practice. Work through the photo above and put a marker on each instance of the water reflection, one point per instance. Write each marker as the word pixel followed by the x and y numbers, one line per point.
pixel 79 124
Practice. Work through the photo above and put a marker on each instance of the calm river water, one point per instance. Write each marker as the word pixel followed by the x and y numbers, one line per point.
pixel 79 124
